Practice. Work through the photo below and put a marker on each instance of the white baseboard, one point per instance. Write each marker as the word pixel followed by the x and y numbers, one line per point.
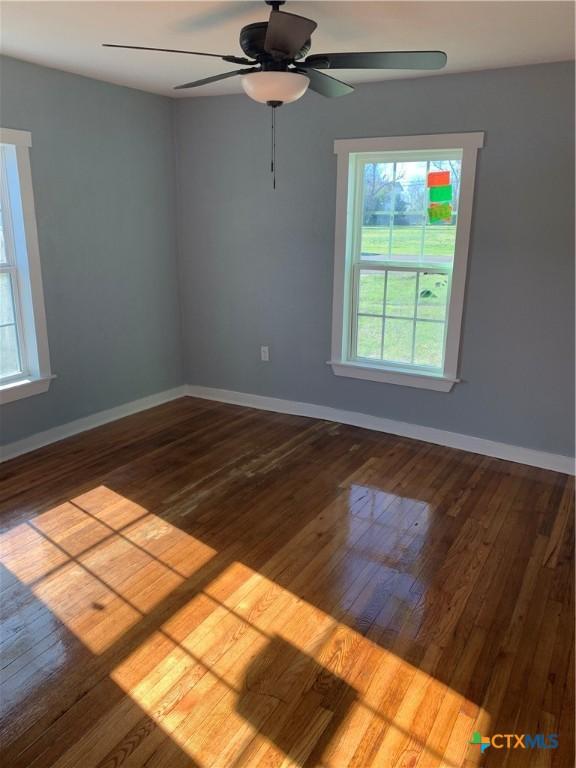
pixel 558 463
pixel 40 439
pixel 543 459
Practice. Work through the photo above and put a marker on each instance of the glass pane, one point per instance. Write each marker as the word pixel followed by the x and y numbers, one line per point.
pixel 429 345
pixel 371 292
pixel 9 356
pixel 407 233
pixel 439 241
pixel 369 337
pixel 398 340
pixel 401 294
pixel 375 243
pixel 6 300
pixel 443 189
pixel 3 258
pixel 377 204
pixel 377 193
pixel 432 296
pixel 410 187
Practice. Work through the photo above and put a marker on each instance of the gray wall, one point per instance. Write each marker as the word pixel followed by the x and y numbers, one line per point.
pixel 256 265
pixel 103 175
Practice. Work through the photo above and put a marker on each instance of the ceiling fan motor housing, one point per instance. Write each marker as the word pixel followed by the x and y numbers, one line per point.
pixel 252 38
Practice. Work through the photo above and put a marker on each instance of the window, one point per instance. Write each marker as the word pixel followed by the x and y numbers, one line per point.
pixel 24 361
pixel 402 228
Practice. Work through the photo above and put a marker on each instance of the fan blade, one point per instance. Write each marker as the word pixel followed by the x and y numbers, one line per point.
pixel 215 78
pixel 287 34
pixel 377 60
pixel 231 59
pixel 325 85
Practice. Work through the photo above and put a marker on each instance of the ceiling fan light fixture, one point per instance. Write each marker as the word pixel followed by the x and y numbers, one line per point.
pixel 283 87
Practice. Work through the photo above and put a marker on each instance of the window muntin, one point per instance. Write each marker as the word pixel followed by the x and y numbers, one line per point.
pixel 401 260
pixel 394 200
pixel 400 316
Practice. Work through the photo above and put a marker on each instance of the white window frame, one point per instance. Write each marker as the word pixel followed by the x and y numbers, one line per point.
pixel 342 362
pixel 24 264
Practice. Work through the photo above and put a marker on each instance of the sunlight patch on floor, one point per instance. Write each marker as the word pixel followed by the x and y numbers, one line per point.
pixel 98 580
pixel 246 660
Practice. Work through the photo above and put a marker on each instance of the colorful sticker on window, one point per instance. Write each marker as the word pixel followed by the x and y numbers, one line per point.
pixel 438 178
pixel 439 212
pixel 441 194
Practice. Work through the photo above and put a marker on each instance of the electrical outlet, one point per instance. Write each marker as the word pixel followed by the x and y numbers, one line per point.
pixel 264 354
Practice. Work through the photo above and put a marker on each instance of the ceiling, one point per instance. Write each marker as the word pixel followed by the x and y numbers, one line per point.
pixel 475 35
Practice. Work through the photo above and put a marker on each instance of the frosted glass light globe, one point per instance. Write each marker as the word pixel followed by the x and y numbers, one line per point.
pixel 275 86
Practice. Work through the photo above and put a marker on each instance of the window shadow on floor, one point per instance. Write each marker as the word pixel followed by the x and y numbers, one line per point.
pixel 306 704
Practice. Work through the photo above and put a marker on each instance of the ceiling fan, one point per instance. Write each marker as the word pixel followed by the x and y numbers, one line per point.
pixel 275 71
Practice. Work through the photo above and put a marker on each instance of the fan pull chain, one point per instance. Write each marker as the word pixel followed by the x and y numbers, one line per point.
pixel 273 149
pixel 274 105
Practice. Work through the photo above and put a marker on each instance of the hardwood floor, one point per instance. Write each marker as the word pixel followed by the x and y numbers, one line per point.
pixel 208 585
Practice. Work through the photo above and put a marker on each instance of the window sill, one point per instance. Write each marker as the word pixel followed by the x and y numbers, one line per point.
pixel 16 390
pixel 406 379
